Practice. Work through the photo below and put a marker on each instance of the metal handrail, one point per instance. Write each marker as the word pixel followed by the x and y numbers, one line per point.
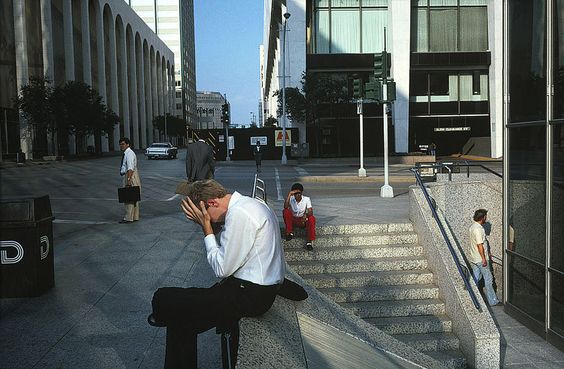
pixel 466 164
pixel 447 240
pixel 259 186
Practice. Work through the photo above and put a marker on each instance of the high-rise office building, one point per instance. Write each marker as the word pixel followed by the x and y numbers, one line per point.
pixel 173 22
pixel 446 61
pixel 209 110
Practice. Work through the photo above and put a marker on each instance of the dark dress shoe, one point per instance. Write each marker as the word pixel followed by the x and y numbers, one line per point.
pixel 289 236
pixel 123 221
pixel 154 322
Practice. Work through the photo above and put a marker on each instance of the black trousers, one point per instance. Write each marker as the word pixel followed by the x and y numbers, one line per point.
pixel 189 311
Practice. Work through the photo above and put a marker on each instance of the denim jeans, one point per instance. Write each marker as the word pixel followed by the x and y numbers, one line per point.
pixel 484 271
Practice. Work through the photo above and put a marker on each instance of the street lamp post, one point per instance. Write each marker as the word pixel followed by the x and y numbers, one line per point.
pixel 284 160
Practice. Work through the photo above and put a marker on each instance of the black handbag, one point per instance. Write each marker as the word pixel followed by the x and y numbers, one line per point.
pixel 129 194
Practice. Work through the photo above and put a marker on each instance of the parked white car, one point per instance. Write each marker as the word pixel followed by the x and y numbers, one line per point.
pixel 161 150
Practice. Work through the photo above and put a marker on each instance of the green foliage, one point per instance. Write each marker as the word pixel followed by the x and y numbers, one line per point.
pixel 35 105
pixel 271 122
pixel 175 127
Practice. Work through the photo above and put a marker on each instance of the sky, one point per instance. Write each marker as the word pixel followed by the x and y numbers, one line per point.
pixel 228 34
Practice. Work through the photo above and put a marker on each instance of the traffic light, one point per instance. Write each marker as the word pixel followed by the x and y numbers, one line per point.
pixel 373 90
pixel 225 113
pixel 357 88
pixel 391 91
pixel 382 65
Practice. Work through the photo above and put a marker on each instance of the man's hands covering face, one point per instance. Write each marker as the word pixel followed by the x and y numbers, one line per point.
pixel 198 215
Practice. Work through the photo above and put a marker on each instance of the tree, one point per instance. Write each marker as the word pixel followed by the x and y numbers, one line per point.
pixel 35 106
pixel 318 92
pixel 271 122
pixel 79 110
pixel 175 127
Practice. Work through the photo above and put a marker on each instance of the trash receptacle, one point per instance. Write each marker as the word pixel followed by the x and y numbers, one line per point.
pixel 26 246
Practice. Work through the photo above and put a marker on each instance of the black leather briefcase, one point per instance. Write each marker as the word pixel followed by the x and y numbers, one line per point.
pixel 129 194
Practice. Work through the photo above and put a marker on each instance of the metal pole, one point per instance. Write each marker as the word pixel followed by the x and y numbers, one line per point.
pixel 284 160
pixel 227 157
pixel 361 170
pixel 386 190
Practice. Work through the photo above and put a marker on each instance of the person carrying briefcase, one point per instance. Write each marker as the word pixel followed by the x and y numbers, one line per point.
pixel 131 178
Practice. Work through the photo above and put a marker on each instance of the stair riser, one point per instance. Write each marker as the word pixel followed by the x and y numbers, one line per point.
pixel 353 253
pixel 427 327
pixel 356 229
pixel 441 344
pixel 368 281
pixel 368 240
pixel 410 294
pixel 359 267
pixel 377 311
pixel 457 363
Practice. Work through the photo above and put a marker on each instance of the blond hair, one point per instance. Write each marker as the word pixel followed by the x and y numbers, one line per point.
pixel 205 190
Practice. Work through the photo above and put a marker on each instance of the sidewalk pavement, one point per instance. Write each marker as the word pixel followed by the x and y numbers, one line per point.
pixel 105 276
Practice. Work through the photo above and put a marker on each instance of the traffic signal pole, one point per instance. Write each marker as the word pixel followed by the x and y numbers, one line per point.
pixel 227 157
pixel 361 170
pixel 386 190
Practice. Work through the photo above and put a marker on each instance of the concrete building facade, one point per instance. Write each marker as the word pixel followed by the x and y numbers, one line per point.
pixel 173 22
pixel 102 43
pixel 209 110
pixel 445 59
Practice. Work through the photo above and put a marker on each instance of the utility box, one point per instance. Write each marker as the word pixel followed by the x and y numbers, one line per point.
pixel 26 247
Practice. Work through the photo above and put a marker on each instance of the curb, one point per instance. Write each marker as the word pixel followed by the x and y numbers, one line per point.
pixel 355 179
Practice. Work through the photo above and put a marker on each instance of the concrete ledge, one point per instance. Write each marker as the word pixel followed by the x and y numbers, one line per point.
pixel 476 330
pixel 354 179
pixel 411 159
pixel 277 339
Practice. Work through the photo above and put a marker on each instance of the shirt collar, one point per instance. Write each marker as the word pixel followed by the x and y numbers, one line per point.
pixel 235 196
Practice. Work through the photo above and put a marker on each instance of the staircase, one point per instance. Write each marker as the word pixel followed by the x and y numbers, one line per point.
pixel 380 273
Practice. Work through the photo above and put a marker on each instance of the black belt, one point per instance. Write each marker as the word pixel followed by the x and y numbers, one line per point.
pixel 246 284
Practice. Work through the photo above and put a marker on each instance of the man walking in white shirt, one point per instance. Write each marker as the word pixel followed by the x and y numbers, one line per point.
pixel 130 175
pixel 476 255
pixel 248 256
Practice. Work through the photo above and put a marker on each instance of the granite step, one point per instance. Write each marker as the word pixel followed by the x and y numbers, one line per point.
pixel 412 324
pixel 451 359
pixel 353 252
pixel 354 240
pixel 358 265
pixel 380 309
pixel 382 293
pixel 355 229
pixel 437 341
pixel 373 278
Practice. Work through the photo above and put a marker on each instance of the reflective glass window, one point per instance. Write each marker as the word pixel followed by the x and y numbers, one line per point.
pixel 557 303
pixel 526 286
pixel 527 190
pixel 558 61
pixel 443 29
pixel 527 60
pixel 473 29
pixel 557 229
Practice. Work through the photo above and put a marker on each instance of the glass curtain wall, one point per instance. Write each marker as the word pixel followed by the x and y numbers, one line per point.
pixel 449 25
pixel 535 166
pixel 349 26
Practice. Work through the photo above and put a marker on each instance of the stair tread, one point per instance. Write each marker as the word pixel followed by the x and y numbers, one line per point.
pixel 454 356
pixel 376 288
pixel 408 319
pixel 392 303
pixel 425 336
pixel 380 273
pixel 359 261
pixel 318 248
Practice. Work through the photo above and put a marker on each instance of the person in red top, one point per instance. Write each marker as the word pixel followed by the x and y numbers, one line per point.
pixel 298 212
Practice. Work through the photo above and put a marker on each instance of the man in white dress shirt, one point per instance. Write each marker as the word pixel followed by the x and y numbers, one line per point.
pixel 247 255
pixel 130 175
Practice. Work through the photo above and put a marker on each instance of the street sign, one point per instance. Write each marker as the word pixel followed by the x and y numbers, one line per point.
pixel 359 107
pixel 451 129
pixel 262 139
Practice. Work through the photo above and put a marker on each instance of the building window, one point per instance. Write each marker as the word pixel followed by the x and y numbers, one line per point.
pixel 349 26
pixel 449 92
pixel 178 106
pixel 178 94
pixel 449 25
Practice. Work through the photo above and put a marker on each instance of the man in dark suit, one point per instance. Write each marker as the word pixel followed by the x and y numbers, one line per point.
pixel 200 163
